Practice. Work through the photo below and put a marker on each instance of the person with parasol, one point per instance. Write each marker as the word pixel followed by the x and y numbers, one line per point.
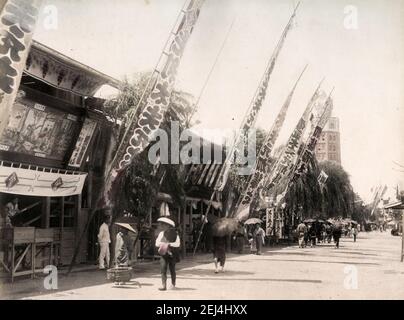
pixel 222 228
pixel 168 243
pixel 337 233
pixel 257 237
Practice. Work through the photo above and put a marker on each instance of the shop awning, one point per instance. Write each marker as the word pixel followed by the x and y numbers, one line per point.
pixel 60 71
pixel 39 181
pixel 394 205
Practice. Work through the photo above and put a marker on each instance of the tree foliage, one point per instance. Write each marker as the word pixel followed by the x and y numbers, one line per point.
pixel 143 180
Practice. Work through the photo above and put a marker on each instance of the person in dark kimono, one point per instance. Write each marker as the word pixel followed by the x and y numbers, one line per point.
pixel 337 232
pixel 168 243
pixel 219 252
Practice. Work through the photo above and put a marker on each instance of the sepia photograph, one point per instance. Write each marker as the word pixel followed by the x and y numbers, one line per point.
pixel 179 150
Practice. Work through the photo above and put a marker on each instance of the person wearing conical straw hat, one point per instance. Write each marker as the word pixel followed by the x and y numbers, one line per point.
pixel 121 249
pixel 168 243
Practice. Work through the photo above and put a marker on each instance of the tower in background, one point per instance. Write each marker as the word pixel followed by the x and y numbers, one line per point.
pixel 328 147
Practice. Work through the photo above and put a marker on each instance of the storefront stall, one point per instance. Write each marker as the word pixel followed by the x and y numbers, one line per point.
pixel 47 161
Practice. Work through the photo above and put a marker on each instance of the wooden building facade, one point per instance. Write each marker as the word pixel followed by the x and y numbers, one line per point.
pixel 52 157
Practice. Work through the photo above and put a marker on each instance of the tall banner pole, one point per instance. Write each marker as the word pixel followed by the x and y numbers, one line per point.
pixel 18 20
pixel 309 147
pixel 152 107
pixel 402 237
pixel 289 153
pixel 255 106
pixel 248 121
pixel 263 159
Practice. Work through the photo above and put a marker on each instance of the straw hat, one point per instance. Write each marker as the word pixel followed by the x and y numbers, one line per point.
pixel 167 221
pixel 127 226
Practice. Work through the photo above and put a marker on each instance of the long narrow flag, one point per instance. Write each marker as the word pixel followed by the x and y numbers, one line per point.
pixel 140 133
pixel 378 198
pixel 288 155
pixel 255 106
pixel 309 148
pixel 249 120
pixel 18 19
pixel 290 152
pixel 263 161
pixel 154 103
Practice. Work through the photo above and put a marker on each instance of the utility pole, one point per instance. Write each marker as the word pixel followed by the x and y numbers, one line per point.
pixel 402 236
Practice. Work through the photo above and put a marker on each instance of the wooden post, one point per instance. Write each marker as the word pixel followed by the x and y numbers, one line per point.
pixel 62 225
pixel 77 213
pixel 402 237
pixel 76 222
pixel 45 213
pixel 184 224
pixel 90 189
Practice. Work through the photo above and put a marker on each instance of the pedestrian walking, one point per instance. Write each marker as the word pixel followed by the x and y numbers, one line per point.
pixel 239 237
pixel 259 236
pixel 337 232
pixel 312 235
pixel 104 240
pixel 219 252
pixel 354 233
pixel 301 233
pixel 168 243
pixel 328 232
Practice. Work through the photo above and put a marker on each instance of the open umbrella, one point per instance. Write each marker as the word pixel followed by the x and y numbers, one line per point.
pixel 126 226
pixel 309 221
pixel 224 226
pixel 253 221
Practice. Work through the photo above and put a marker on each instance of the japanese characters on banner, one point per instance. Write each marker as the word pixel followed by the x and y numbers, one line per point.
pixel 263 162
pixel 322 178
pixel 40 183
pixel 289 154
pixel 308 151
pixel 255 106
pixel 140 133
pixel 157 102
pixel 82 143
pixel 17 23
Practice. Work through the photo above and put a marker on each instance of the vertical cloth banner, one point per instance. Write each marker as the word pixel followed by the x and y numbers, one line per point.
pixel 314 136
pixel 378 198
pixel 322 178
pixel 18 19
pixel 263 159
pixel 140 133
pixel 306 151
pixel 290 152
pixel 80 150
pixel 255 105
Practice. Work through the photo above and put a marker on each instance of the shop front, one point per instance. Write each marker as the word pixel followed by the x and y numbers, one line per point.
pixel 50 162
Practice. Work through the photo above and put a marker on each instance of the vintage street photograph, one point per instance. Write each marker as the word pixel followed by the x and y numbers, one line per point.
pixel 201 150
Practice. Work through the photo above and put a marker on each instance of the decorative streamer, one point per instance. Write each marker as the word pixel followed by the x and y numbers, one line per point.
pixel 263 162
pixel 18 19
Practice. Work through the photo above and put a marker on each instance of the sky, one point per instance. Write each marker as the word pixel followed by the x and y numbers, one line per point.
pixel 357 45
